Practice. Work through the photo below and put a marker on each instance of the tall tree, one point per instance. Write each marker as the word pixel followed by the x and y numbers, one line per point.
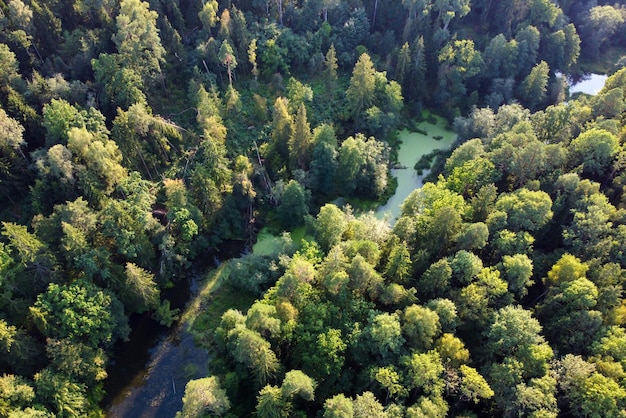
pixel 137 39
pixel 208 15
pixel 330 69
pixel 360 93
pixel 533 89
pixel 300 141
pixel 228 59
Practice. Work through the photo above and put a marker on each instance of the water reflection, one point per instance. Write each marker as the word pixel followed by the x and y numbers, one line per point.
pixel 590 84
pixel 158 390
pixel 413 146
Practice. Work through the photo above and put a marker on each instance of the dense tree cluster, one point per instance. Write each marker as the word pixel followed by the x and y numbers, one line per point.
pixel 136 136
pixel 498 291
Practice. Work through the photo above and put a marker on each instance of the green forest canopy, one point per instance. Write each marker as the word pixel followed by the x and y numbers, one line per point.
pixel 135 137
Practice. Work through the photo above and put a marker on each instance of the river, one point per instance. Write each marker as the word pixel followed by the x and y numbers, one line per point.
pixel 149 372
pixel 149 377
pixel 153 367
pixel 414 145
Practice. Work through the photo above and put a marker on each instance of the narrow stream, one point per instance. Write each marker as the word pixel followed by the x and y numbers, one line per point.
pixel 149 372
pixel 153 368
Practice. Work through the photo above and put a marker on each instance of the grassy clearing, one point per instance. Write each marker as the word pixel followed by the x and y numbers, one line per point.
pixel 266 242
pixel 215 297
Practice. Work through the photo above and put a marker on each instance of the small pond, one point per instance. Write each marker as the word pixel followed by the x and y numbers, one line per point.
pixel 413 146
pixel 590 84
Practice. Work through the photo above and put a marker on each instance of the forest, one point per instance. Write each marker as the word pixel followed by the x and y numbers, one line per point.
pixel 139 138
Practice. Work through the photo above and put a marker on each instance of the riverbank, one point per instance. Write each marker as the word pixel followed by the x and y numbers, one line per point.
pixel 179 355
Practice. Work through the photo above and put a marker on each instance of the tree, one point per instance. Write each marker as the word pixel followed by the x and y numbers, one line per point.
pixel 82 313
pixel 254 352
pixel 449 9
pixel 527 48
pixel 252 52
pixel 389 379
pixel 598 25
pixel 526 209
pixel 62 395
pixel 367 406
pixel 421 326
pixel 282 123
pixel 228 59
pixel 515 333
pixel 597 396
pixel 297 383
pixel 500 57
pixel 77 361
pixel 329 226
pixel 293 205
pixel 424 373
pixel 297 94
pixel 339 406
pixel 11 135
pixel 270 403
pixel 452 351
pixel 398 267
pixel 121 86
pixel 330 69
pixel 99 169
pixel 58 117
pixel 9 67
pixel 12 158
pixel 300 141
pixel 403 64
pixel 459 61
pixel 417 68
pixel 208 15
pixel 594 149
pixel 518 270
pixel 323 160
pixel 362 166
pixel 26 262
pixel 533 89
pixel 202 396
pixel 473 386
pixel 15 393
pixel 589 234
pixel 360 93
pixel 142 291
pixel 385 334
pixel 350 161
pixel 137 39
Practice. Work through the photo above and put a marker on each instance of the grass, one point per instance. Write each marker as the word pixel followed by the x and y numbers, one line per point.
pixel 298 235
pixel 215 297
pixel 265 242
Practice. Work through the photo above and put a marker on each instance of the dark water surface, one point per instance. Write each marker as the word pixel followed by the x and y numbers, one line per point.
pixel 150 372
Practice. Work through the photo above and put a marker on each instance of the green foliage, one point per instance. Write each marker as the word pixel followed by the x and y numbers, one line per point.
pixel 360 94
pixel 529 208
pixel 594 149
pixel 293 205
pixel 137 39
pixel 202 396
pixel 80 312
